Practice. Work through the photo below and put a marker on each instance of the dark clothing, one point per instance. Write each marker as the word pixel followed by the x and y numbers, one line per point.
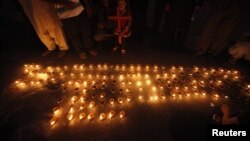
pixel 78 32
pixel 217 32
pixel 244 118
pixel 178 21
pixel 103 14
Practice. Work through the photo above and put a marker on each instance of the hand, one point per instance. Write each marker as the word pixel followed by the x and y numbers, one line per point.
pixel 89 12
pixel 225 110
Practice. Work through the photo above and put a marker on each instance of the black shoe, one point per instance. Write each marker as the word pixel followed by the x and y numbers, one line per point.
pixel 93 52
pixel 61 53
pixel 47 53
pixel 83 55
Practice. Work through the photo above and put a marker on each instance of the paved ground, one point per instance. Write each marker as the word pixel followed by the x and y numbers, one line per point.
pixel 25 117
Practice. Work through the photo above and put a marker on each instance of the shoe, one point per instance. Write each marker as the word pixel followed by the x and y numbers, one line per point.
pixel 83 55
pixel 93 52
pixel 123 51
pixel 197 54
pixel 47 53
pixel 61 53
pixel 115 48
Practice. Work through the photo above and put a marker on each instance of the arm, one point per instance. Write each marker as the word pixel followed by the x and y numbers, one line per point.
pixel 226 119
pixel 61 2
pixel 87 6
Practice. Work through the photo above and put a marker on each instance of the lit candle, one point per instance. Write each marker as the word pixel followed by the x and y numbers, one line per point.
pixel 140 97
pixel 102 116
pixel 148 82
pixel 102 95
pixel 74 99
pixel 70 117
pixel 111 101
pixel 82 106
pixel 91 116
pixel 71 109
pixel 163 97
pixel 138 83
pixel 122 114
pixel 140 89
pixel 53 121
pixel 111 114
pixel 248 88
pixel 120 100
pixel 82 116
pixel 129 98
pixel 155 98
pixel 91 104
pixel 56 111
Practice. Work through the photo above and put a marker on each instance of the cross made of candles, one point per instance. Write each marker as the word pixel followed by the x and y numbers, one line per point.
pixel 101 92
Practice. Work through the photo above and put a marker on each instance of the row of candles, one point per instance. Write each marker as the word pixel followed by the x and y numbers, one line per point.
pixel 144 83
pixel 106 67
pixel 90 116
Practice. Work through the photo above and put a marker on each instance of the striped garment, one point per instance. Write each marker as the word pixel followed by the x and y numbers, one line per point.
pixel 70 11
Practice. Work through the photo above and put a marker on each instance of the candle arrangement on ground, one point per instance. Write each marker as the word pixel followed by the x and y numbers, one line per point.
pixel 103 93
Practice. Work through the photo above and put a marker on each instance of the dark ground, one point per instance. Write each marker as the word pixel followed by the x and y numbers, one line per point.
pixel 23 117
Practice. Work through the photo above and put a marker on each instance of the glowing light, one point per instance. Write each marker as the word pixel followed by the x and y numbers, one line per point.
pixel 71 110
pixel 82 116
pixel 140 97
pixel 129 98
pixel 120 100
pixel 70 117
pixel 111 114
pixel 121 114
pixel 138 83
pixel 91 116
pixel 42 76
pixel 57 112
pixel 102 116
pixel 102 95
pixel 148 82
pixel 91 104
pixel 52 121
pixel 111 101
pixel 74 99
pixel 82 106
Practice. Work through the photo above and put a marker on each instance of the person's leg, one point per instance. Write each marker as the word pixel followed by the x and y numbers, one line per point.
pixel 124 45
pixel 116 44
pixel 224 33
pixel 169 30
pixel 86 33
pixel 73 35
pixel 48 41
pixel 209 33
pixel 58 35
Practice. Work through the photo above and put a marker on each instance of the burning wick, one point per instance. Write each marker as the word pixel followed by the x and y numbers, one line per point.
pixel 111 114
pixel 102 116
pixel 122 114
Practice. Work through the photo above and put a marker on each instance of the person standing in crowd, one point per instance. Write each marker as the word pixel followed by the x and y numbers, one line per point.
pixel 105 26
pixel 123 26
pixel 178 20
pixel 47 25
pixel 223 20
pixel 76 25
pixel 242 118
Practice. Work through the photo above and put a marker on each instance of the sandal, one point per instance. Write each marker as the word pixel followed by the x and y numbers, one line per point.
pixel 83 55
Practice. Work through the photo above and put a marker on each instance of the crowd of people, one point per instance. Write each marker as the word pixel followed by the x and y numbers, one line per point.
pixel 81 23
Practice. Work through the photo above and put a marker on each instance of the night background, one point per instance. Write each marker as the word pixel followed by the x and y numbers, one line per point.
pixel 26 115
